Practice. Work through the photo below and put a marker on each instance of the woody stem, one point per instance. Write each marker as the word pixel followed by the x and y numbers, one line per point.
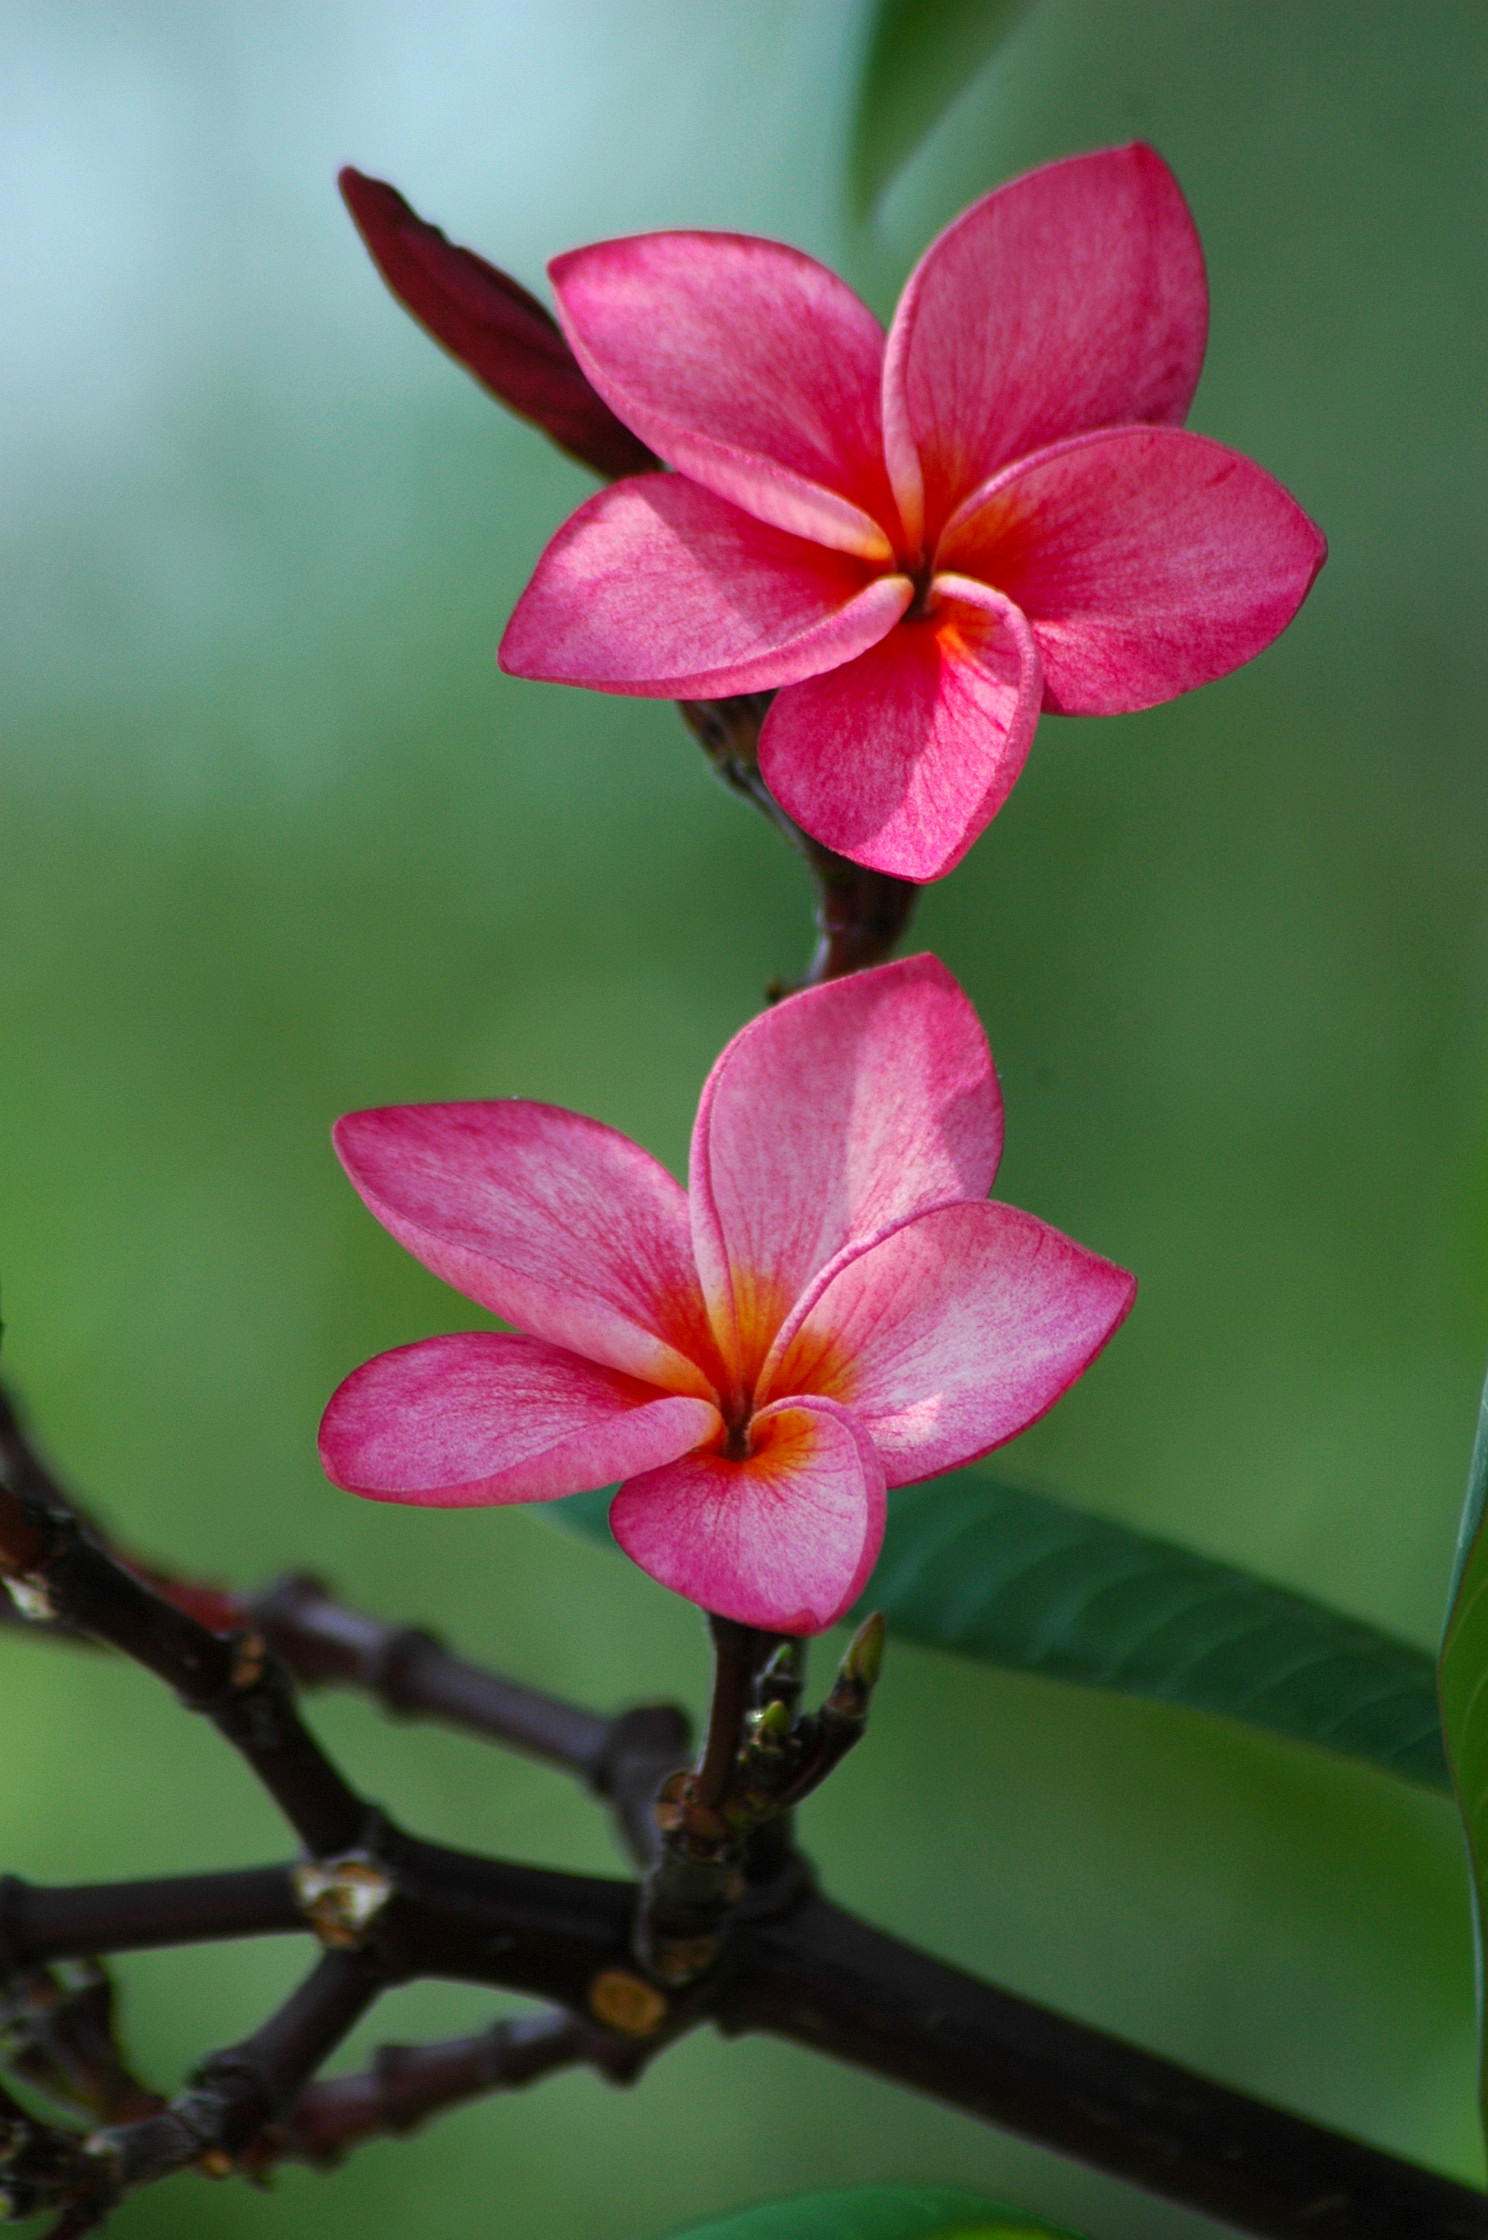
pixel 860 914
pixel 737 1654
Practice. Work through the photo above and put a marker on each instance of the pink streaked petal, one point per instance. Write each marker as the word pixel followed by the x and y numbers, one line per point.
pixel 900 758
pixel 460 1422
pixel 954 1333
pixel 658 587
pixel 745 364
pixel 845 1108
pixel 1148 561
pixel 1073 298
pixel 551 1220
pixel 784 1540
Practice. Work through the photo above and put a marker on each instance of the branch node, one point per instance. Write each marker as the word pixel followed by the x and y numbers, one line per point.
pixel 625 2002
pixel 342 1898
pixel 31 1598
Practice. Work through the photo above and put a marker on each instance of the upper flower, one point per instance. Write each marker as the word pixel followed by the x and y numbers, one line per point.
pixel 834 1308
pixel 918 540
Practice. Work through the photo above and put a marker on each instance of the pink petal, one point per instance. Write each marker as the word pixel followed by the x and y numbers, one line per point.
pixel 495 329
pixel 784 1540
pixel 951 1334
pixel 1147 560
pixel 658 587
pixel 845 1108
pixel 899 759
pixel 461 1421
pixel 747 365
pixel 1074 298
pixel 548 1219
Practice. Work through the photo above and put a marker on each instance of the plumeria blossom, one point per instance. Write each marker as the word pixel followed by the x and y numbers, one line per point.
pixel 917 541
pixel 833 1308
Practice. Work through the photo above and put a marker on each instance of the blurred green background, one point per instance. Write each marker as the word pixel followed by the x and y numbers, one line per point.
pixel 276 841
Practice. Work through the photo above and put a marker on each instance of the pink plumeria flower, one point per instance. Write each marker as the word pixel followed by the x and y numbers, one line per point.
pixel 834 1307
pixel 917 541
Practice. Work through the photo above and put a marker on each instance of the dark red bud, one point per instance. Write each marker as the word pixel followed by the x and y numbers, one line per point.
pixel 497 331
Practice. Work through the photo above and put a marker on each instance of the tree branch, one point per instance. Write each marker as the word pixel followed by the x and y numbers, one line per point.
pixel 57 2034
pixel 781 1959
pixel 39 1925
pixel 407 2085
pixel 239 2090
pixel 321 1641
pixel 232 1681
pixel 825 1980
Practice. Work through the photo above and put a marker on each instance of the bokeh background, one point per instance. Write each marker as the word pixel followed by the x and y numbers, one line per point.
pixel 276 841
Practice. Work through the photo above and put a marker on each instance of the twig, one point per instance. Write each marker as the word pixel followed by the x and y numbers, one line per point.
pixel 861 915
pixel 39 1925
pixel 407 2085
pixel 825 1980
pixel 412 1674
pixel 231 1681
pixel 236 2092
pixel 57 2034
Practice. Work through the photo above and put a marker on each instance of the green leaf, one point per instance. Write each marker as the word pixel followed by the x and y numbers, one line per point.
pixel 1022 1580
pixel 1032 1584
pixel 920 55
pixel 1462 1673
pixel 881 2213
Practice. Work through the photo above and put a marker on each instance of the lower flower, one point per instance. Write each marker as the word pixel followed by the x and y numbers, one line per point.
pixel 834 1308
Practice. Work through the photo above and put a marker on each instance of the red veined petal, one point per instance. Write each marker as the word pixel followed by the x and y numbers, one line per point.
pixel 658 587
pixel 747 365
pixel 551 1220
pixel 952 1333
pixel 843 1109
pixel 459 1422
pixel 1072 298
pixel 1148 561
pixel 900 758
pixel 784 1540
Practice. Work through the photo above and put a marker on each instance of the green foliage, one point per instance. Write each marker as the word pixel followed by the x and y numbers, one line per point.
pixel 880 2213
pixel 1464 1698
pixel 1021 1580
pixel 921 53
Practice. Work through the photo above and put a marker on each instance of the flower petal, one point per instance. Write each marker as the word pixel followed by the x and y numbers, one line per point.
pixel 900 758
pixel 550 1220
pixel 457 1422
pixel 1147 560
pixel 953 1333
pixel 747 365
pixel 784 1540
pixel 490 323
pixel 658 587
pixel 845 1108
pixel 1073 298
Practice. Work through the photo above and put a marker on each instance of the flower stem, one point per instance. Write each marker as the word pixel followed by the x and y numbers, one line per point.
pixel 861 915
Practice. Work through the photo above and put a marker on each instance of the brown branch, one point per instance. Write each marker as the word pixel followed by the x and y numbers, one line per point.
pixel 42 2167
pixel 39 1925
pixel 231 1681
pixel 825 1980
pixel 239 2090
pixel 781 1958
pixel 410 1673
pixel 407 2085
pixel 322 1641
pixel 57 2034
